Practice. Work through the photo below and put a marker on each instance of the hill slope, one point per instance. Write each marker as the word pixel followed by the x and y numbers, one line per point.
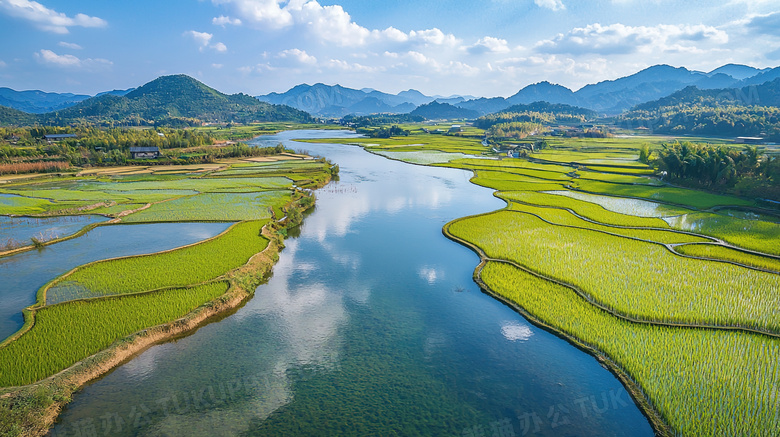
pixel 170 98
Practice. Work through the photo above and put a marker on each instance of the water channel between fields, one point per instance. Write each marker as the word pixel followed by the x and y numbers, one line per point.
pixel 370 325
pixel 21 275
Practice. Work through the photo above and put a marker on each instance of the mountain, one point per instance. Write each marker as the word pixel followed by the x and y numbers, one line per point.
pixel 38 102
pixel 543 91
pixel 115 92
pixel 338 101
pixel 178 99
pixel 15 117
pixel 439 111
pixel 737 71
pixel 753 110
pixel 763 77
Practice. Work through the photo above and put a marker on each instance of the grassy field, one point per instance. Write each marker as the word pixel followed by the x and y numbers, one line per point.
pixel 727 381
pixel 727 254
pixel 176 268
pixel 68 332
pixel 636 279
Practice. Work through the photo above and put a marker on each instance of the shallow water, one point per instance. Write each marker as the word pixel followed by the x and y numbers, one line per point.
pixel 21 275
pixel 370 325
pixel 22 229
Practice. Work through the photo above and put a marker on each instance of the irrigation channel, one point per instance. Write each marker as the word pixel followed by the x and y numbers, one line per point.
pixel 370 325
pixel 22 274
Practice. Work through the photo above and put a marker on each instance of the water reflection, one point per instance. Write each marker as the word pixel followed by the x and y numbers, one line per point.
pixel 359 332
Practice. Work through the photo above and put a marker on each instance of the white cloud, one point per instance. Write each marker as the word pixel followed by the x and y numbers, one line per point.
pixel 223 20
pixel 48 57
pixel 351 67
pixel 554 5
pixel 327 24
pixel 299 55
pixel 204 40
pixel 764 24
pixel 488 44
pixel 617 39
pixel 69 45
pixel 48 19
pixel 217 66
pixel 3 64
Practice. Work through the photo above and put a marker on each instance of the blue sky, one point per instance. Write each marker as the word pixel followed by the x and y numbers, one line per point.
pixel 483 48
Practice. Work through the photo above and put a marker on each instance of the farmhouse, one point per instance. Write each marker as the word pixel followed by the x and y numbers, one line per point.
pixel 145 152
pixel 749 140
pixel 454 129
pixel 58 137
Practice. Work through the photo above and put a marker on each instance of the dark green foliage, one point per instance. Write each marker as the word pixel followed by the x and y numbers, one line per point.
pixel 168 100
pixel 748 111
pixel 380 119
pixel 437 111
pixel 537 112
pixel 384 132
pixel 720 168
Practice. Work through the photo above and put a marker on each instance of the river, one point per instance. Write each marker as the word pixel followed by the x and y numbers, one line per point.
pixel 370 325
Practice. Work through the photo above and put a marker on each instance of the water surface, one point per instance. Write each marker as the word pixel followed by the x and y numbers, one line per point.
pixel 21 275
pixel 370 325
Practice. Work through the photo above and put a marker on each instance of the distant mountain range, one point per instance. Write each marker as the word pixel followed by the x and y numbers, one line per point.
pixel 607 97
pixel 184 97
pixel 170 100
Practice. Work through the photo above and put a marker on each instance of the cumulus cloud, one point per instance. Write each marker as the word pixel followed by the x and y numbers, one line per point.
pixel 69 45
pixel 298 55
pixel 329 24
pixel 488 44
pixel 47 19
pixel 555 5
pixel 616 39
pixel 48 57
pixel 203 39
pixel 765 24
pixel 223 20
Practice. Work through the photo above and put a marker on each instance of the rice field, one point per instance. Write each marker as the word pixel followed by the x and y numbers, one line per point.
pixel 225 207
pixel 69 332
pixel 714 251
pixel 636 279
pixel 584 208
pixel 180 267
pixel 673 195
pixel 758 235
pixel 702 382
pixel 626 206
pixel 564 218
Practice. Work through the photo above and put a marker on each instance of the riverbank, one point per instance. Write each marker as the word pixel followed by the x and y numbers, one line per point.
pixel 31 410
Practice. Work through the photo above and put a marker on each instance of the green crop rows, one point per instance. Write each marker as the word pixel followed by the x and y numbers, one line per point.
pixel 728 254
pixel 189 265
pixel 66 333
pixel 704 383
pixel 637 279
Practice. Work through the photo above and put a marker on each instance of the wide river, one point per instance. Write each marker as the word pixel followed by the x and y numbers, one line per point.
pixel 371 325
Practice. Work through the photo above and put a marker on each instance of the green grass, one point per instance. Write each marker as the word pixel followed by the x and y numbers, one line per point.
pixel 728 254
pixel 636 279
pixel 510 182
pixel 758 235
pixel 625 205
pixel 583 208
pixel 10 204
pixel 69 332
pixel 617 178
pixel 703 383
pixel 678 196
pixel 180 267
pixel 564 218
pixel 213 207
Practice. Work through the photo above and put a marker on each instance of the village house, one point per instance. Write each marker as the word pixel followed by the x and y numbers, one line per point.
pixel 145 152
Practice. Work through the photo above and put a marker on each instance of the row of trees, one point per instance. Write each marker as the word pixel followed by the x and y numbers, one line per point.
pixel 515 130
pixel 721 168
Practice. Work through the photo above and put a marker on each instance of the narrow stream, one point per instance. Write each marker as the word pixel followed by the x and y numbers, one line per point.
pixel 370 326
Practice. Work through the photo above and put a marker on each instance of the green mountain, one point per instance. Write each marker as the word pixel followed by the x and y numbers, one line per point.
pixel 748 111
pixel 437 111
pixel 11 116
pixel 172 100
